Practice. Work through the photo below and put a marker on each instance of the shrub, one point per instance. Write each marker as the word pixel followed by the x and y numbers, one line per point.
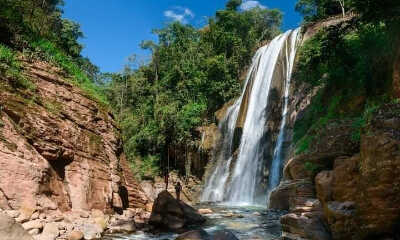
pixel 11 67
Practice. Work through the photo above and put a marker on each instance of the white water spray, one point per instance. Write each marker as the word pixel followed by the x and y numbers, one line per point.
pixel 236 180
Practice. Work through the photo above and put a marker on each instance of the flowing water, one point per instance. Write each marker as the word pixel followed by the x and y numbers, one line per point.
pixel 236 180
pixel 247 223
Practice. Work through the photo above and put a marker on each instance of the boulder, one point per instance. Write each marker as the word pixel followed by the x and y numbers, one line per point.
pixel 35 224
pixel 305 226
pixel 224 235
pixel 75 235
pixel 50 232
pixel 172 214
pixel 92 231
pixel 194 235
pixel 290 194
pixel 205 211
pixel 10 230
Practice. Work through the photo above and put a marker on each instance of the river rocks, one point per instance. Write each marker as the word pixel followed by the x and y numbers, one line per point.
pixel 75 235
pixel 10 230
pixel 92 231
pixel 203 235
pixel 35 224
pixel 172 214
pixel 224 235
pixel 194 235
pixel 205 211
pixel 50 232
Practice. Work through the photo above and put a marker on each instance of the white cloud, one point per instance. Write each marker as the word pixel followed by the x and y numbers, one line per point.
pixel 179 14
pixel 250 4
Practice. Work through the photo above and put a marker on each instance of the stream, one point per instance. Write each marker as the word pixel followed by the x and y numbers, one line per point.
pixel 247 223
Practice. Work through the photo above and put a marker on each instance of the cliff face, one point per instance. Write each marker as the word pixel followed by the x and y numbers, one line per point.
pixel 60 151
pixel 342 189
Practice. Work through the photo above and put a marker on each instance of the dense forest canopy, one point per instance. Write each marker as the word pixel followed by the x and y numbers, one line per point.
pixel 193 72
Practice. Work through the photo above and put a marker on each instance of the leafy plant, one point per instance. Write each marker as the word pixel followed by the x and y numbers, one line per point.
pixel 11 67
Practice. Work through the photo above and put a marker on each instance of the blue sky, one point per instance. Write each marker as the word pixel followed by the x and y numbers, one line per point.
pixel 114 29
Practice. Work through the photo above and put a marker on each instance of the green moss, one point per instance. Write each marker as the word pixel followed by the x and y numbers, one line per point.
pixel 95 142
pixel 53 107
pixel 11 68
pixel 312 167
pixel 303 145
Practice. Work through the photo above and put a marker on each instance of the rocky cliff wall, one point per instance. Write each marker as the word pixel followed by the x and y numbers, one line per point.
pixel 60 151
pixel 342 189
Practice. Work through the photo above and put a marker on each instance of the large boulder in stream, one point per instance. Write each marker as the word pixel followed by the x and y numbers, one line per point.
pixel 171 214
pixel 194 235
pixel 203 235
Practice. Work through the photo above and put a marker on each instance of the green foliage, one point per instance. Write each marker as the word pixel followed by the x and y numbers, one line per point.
pixel 314 10
pixel 51 53
pixel 348 62
pixel 303 145
pixel 11 67
pixel 312 167
pixel 193 72
pixel 360 122
pixel 146 166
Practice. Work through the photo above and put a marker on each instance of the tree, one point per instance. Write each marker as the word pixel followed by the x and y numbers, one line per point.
pixel 314 10
pixel 232 5
pixel 342 2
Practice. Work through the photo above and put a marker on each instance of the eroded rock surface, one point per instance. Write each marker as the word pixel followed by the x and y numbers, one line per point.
pixel 60 154
pixel 352 195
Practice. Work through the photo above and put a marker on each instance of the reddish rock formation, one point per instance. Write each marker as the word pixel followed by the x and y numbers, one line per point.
pixel 358 193
pixel 60 151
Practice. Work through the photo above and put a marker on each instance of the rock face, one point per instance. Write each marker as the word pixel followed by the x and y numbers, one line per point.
pixel 60 152
pixel 351 194
pixel 172 214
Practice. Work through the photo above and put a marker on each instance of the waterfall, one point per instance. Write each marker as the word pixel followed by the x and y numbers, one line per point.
pixel 275 170
pixel 237 175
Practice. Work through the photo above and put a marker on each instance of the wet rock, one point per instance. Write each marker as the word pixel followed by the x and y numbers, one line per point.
pixel 194 235
pixel 172 214
pixel 205 211
pixel 305 226
pixel 10 230
pixel 224 235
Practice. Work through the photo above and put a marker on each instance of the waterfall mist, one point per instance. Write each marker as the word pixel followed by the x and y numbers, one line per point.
pixel 238 174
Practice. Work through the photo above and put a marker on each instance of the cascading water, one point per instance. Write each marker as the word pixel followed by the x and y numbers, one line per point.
pixel 236 178
pixel 275 170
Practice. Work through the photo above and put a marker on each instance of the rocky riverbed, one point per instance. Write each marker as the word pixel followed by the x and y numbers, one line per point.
pixel 247 222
